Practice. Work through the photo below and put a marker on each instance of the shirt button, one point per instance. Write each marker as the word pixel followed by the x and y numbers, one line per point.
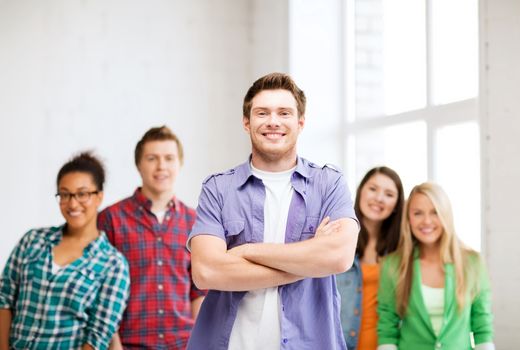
pixel 226 232
pixel 161 335
pixel 311 228
pixel 352 333
pixel 161 311
pixel 285 340
pixel 438 345
pixel 159 262
pixel 160 287
pixel 159 239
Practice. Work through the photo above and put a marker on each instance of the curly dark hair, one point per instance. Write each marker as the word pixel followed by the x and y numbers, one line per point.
pixel 84 162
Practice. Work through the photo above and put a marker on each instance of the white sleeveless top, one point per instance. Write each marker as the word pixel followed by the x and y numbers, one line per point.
pixel 434 302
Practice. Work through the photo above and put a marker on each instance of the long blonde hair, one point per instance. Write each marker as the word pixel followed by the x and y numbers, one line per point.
pixel 452 250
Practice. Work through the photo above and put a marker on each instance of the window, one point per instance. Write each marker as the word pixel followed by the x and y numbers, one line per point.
pixel 407 76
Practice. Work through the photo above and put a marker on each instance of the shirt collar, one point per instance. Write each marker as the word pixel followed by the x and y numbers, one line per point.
pixel 244 171
pixel 55 237
pixel 96 245
pixel 302 168
pixel 142 201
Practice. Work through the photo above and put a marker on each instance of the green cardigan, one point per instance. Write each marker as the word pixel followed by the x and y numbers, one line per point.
pixel 414 331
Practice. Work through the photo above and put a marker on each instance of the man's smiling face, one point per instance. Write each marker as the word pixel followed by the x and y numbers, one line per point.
pixel 274 125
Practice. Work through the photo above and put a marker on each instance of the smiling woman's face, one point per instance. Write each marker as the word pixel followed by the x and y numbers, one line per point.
pixel 425 223
pixel 378 199
pixel 80 211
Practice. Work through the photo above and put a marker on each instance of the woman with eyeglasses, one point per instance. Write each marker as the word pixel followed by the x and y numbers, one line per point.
pixel 65 287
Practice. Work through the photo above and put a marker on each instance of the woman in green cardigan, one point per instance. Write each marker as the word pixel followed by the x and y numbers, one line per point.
pixel 433 292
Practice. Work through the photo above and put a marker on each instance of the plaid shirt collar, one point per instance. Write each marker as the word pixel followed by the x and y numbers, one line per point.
pixel 142 201
pixel 92 249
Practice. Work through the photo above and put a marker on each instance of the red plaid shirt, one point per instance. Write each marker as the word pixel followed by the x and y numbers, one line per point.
pixel 158 315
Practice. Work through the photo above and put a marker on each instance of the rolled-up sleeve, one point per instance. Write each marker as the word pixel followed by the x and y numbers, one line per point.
pixel 9 282
pixel 481 315
pixel 107 310
pixel 209 218
pixel 194 291
pixel 388 331
pixel 337 199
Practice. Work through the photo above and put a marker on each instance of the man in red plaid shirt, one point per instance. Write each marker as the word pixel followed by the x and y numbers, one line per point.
pixel 151 228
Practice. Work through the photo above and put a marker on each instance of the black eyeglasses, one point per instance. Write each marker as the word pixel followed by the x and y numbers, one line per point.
pixel 81 196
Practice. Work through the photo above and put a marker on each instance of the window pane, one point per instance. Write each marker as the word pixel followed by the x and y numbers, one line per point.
pixel 401 147
pixel 458 172
pixel 390 48
pixel 454 50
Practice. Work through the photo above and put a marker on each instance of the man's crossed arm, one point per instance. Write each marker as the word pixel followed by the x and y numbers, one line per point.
pixel 262 265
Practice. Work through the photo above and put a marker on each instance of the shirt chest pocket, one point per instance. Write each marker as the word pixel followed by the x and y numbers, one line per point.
pixel 234 231
pixel 33 265
pixel 80 288
pixel 310 227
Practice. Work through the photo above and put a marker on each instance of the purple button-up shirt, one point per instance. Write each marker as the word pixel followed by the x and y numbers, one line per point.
pixel 231 207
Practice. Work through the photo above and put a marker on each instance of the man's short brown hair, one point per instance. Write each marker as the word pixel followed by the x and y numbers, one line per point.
pixel 160 133
pixel 274 81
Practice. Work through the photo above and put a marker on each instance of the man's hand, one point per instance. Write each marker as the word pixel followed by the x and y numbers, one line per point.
pixel 214 267
pixel 330 251
pixel 327 227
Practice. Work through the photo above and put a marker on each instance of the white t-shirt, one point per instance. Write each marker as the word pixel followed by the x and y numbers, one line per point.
pixel 55 268
pixel 257 325
pixel 160 215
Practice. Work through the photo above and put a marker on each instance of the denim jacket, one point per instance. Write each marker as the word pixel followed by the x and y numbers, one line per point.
pixel 350 285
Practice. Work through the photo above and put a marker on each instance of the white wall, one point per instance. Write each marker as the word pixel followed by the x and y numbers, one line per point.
pixel 79 75
pixel 500 125
pixel 268 38
pixel 315 33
